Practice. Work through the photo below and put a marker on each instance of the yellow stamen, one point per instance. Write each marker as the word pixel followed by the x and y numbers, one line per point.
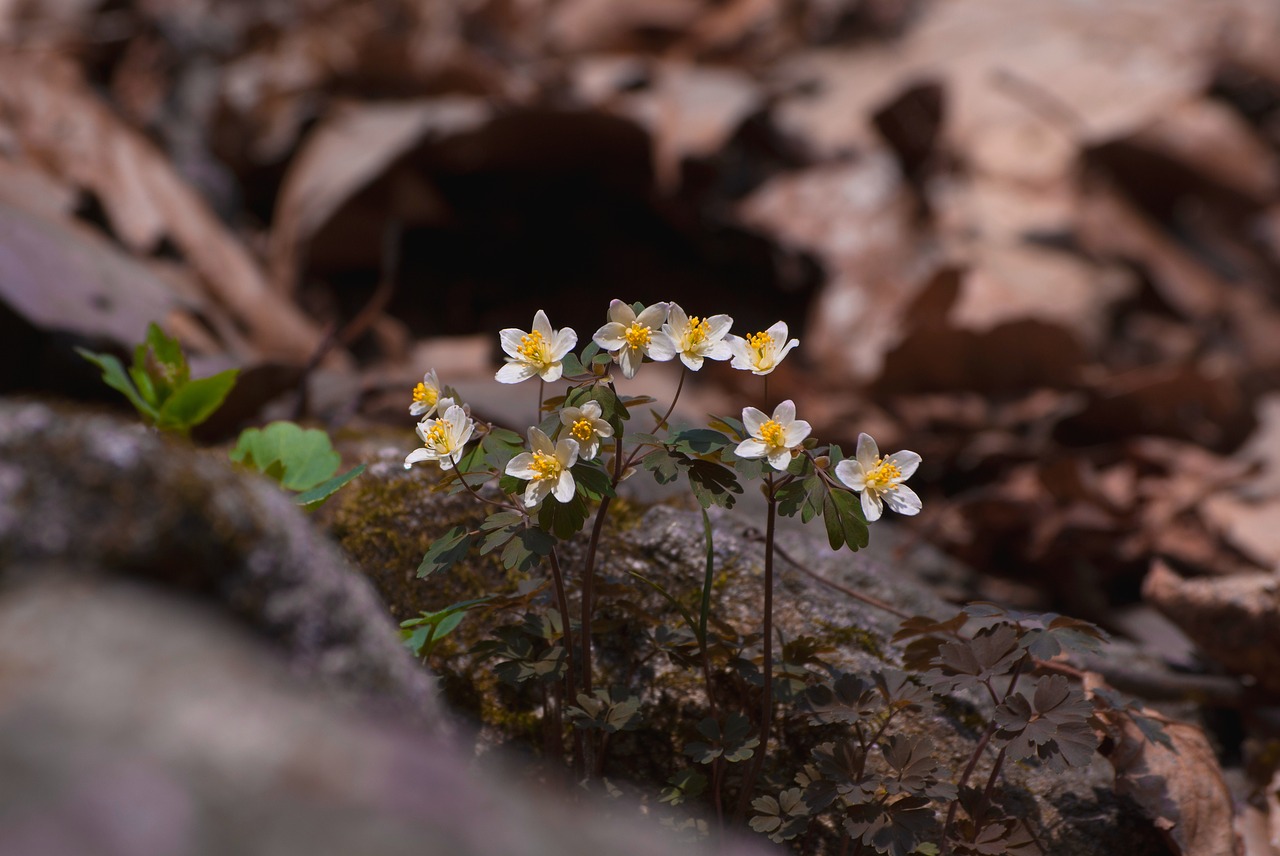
pixel 771 433
pixel 699 329
pixel 533 347
pixel 582 430
pixel 545 466
pixel 437 437
pixel 423 395
pixel 637 335
pixel 760 340
pixel 882 475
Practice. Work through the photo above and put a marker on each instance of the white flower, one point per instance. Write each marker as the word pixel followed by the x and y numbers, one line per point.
pixel 761 352
pixel 773 437
pixel 697 339
pixel 586 426
pixel 630 337
pixel 538 352
pixel 546 467
pixel 880 480
pixel 443 438
pixel 426 395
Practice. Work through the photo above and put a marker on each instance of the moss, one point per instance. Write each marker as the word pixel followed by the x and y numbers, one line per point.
pixel 857 637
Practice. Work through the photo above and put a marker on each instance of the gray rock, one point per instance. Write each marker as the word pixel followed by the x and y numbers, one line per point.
pixel 94 491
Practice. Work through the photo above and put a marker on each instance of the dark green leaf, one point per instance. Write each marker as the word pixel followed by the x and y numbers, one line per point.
pixel 712 483
pixel 312 498
pixel 446 551
pixel 306 457
pixel 699 441
pixel 593 482
pixel 526 549
pixel 563 519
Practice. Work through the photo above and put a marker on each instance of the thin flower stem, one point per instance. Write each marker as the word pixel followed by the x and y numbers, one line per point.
pixel 766 699
pixel 562 601
pixel 589 564
pixel 679 388
pixel 537 411
pixel 964 779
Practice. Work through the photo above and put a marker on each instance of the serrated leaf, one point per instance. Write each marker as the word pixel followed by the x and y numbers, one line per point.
pixel 1053 725
pixel 712 483
pixel 446 551
pixel 699 441
pixel 310 499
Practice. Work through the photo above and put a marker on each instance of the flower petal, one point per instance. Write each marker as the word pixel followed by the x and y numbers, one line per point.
pixel 552 372
pixel 780 459
pixel 871 507
pixel 660 348
pixel 903 500
pixel 570 415
pixel 752 419
pixel 795 433
pixel 418 455
pixel 785 412
pixel 867 452
pixel 751 448
pixel 677 320
pixel 514 372
pixel 630 359
pixel 621 313
pixel 540 442
pixel 510 339
pixel 718 351
pixel 563 343
pixel 609 337
pixel 693 362
pixel 851 475
pixel 565 487
pixel 542 325
pixel 591 410
pixel 778 332
pixel 567 452
pixel 718 326
pixel 602 428
pixel 906 462
pixel 653 316
pixel 521 466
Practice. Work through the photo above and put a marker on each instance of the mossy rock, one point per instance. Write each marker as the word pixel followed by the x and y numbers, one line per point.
pixel 389 519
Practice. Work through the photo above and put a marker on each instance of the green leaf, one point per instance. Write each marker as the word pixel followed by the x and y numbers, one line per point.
pixel 835 527
pixel 446 551
pixel 593 482
pixel 305 456
pixel 664 465
pixel 856 534
pixel 589 352
pixel 312 498
pixel 563 519
pixel 571 364
pixel 114 376
pixel 699 441
pixel 526 548
pixel 712 483
pixel 195 401
pixel 160 358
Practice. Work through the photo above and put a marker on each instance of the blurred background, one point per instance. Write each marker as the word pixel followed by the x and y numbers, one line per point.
pixel 1038 243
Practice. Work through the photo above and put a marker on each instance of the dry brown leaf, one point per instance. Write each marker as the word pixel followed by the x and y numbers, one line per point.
pixel 63 277
pixel 1253 528
pixel 1235 619
pixel 690 112
pixel 62 124
pixel 352 148
pixel 1103 68
pixel 1180 790
pixel 576 26
pixel 1214 141
pixel 858 219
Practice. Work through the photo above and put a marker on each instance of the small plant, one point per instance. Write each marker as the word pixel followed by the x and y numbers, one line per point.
pixel 160 387
pixel 300 459
pixel 159 383
pixel 865 781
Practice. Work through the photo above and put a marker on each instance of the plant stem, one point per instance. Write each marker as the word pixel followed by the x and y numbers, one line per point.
pixel 964 779
pixel 589 564
pixel 679 388
pixel 766 699
pixel 562 601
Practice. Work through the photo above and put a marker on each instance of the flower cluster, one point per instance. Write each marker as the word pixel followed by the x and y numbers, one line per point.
pixel 632 334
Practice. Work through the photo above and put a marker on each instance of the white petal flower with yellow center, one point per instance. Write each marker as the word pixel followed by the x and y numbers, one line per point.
pixel 630 337
pixel 586 426
pixel 761 352
pixel 443 439
pixel 538 352
pixel 547 468
pixel 880 480
pixel 774 437
pixel 426 395
pixel 696 339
